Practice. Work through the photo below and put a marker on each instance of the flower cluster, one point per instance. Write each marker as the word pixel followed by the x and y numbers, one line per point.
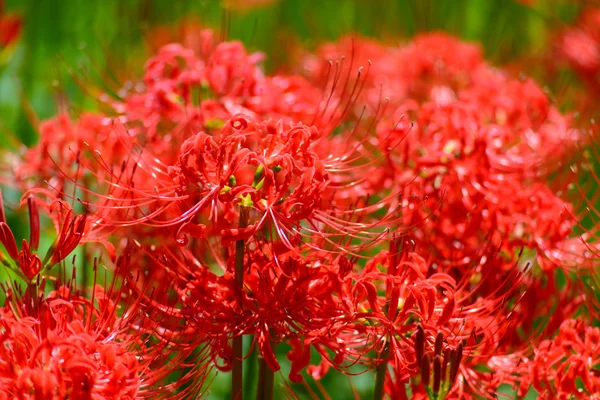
pixel 397 209
pixel 60 342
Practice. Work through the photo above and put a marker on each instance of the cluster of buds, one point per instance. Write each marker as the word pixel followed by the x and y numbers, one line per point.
pixel 437 377
pixel 25 262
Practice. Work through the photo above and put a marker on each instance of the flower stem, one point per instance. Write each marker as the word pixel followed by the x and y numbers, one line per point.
pixel 381 372
pixel 237 387
pixel 265 381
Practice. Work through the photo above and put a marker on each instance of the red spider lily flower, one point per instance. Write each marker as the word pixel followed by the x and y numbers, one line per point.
pixel 180 86
pixel 486 175
pixel 480 196
pixel 448 136
pixel 410 297
pixel 566 366
pixel 269 168
pixel 216 83
pixel 284 298
pixel 51 354
pixel 106 346
pixel 453 323
pixel 145 180
pixel 174 79
pixel 181 93
pixel 380 307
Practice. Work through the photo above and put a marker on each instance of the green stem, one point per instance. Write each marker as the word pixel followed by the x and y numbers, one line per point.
pixel 237 387
pixel 251 374
pixel 381 372
pixel 265 381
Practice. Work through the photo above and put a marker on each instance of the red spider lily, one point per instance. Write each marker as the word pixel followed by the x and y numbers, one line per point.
pixel 67 344
pixel 479 150
pixel 55 352
pixel 282 299
pixel 266 167
pixel 566 366
pixel 103 346
pixel 175 73
pixel 488 176
pixel 443 70
pixel 380 306
pixel 182 93
pixel 189 92
pixel 68 348
pixel 467 317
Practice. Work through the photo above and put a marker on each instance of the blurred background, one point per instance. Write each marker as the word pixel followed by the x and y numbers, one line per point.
pixel 60 55
pixel 50 49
